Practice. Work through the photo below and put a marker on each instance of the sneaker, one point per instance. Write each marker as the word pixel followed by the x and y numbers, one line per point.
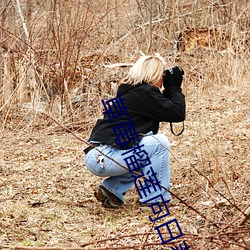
pixel 107 199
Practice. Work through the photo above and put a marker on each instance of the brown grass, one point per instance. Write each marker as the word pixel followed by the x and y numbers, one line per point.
pixel 46 193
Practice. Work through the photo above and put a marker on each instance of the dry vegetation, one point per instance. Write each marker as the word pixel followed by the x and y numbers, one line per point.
pixel 55 58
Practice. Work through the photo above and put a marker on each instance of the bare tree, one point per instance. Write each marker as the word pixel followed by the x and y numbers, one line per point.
pixel 203 22
pixel 171 19
pixel 7 61
pixel 150 10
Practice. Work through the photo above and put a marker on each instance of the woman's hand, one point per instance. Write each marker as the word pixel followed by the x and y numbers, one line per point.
pixel 173 77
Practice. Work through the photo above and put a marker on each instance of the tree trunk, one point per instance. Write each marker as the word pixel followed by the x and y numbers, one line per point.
pixel 6 67
pixel 150 9
pixel 171 20
pixel 28 87
pixel 203 20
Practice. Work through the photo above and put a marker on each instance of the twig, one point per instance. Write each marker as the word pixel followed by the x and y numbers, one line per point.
pixel 228 225
pixel 147 235
pixel 215 237
pixel 115 65
pixel 218 190
pixel 181 200
pixel 246 217
pixel 38 248
pixel 236 244
pixel 223 179
pixel 19 11
pixel 134 172
pixel 82 246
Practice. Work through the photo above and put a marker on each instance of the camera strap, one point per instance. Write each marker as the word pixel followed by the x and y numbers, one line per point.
pixel 172 130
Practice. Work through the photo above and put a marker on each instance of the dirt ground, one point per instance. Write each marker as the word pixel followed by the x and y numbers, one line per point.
pixel 46 192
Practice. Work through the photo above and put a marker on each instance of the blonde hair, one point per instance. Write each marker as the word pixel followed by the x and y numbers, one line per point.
pixel 148 69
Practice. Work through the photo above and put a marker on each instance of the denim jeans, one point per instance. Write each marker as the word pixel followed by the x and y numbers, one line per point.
pixel 120 180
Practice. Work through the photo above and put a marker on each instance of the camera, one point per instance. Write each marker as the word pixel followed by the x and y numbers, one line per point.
pixel 173 76
pixel 171 70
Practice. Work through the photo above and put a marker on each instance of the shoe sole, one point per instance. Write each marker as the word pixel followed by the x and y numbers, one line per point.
pixel 168 204
pixel 102 196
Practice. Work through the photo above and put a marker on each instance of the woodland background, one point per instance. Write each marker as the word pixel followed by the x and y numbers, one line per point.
pixel 59 59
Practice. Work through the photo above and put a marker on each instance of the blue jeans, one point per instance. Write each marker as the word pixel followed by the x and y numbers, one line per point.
pixel 120 180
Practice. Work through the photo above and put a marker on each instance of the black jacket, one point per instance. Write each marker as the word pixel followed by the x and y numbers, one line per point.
pixel 147 106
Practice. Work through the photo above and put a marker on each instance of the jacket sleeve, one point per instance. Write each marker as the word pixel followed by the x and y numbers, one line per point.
pixel 169 107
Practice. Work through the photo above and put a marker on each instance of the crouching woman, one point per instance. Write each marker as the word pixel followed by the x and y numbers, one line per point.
pixel 122 157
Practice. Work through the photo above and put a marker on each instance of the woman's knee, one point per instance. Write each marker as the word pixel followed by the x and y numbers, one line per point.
pixel 163 140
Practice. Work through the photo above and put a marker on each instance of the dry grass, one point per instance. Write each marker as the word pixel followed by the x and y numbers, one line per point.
pixel 46 193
